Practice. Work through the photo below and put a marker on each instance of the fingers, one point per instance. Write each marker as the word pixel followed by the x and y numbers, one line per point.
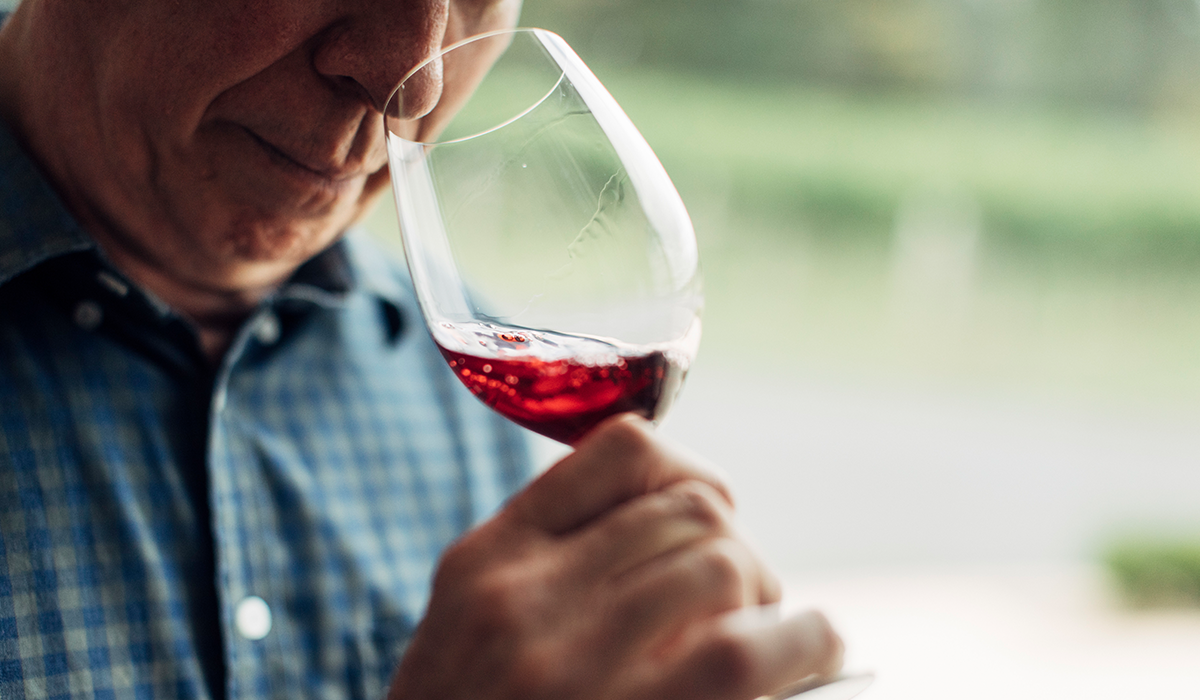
pixel 746 656
pixel 684 530
pixel 618 574
pixel 617 461
pixel 662 599
pixel 650 526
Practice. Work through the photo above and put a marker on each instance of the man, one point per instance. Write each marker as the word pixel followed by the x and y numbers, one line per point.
pixel 230 459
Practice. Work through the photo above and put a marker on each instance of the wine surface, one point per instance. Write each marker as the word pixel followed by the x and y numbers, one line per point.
pixel 558 385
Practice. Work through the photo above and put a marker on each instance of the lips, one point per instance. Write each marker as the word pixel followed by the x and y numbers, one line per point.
pixel 332 172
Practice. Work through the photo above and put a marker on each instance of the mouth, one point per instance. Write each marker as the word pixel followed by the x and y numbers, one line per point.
pixel 328 174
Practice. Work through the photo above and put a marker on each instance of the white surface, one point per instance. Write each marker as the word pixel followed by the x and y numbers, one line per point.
pixel 834 476
pixel 1033 633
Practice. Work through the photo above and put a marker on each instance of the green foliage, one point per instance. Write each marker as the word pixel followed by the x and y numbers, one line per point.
pixel 1125 53
pixel 1154 573
pixel 1068 180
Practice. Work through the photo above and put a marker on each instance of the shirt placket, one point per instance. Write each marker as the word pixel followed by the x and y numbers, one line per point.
pixel 248 590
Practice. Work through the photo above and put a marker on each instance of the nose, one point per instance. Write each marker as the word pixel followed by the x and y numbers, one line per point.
pixel 379 42
pixel 420 92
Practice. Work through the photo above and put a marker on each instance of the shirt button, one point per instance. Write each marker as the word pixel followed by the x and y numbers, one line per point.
pixel 252 618
pixel 267 328
pixel 88 315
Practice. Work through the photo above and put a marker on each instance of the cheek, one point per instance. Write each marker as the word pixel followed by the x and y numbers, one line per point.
pixel 168 61
pixel 376 184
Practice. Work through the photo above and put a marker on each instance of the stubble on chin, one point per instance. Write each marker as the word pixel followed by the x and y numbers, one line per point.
pixel 253 257
pixel 264 249
pixel 252 241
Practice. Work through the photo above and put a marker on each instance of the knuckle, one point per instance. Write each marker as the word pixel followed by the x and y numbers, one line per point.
pixel 627 616
pixel 630 438
pixel 725 566
pixel 729 666
pixel 534 673
pixel 499 604
pixel 770 588
pixel 455 563
pixel 701 503
pixel 831 646
pixel 818 646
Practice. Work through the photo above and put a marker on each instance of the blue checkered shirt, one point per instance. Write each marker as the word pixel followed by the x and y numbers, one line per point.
pixel 265 529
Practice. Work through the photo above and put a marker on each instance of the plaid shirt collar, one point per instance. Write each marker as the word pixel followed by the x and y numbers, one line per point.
pixel 46 230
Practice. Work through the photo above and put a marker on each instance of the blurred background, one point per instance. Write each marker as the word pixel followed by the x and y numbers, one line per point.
pixel 951 361
pixel 951 358
pixel 952 262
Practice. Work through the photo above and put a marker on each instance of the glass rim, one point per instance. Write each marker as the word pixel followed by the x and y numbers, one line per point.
pixel 511 31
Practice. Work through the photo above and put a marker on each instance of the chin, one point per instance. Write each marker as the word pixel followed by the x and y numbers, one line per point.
pixel 295 235
pixel 258 254
pixel 262 244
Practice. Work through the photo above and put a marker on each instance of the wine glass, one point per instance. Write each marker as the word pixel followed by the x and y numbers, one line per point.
pixel 553 260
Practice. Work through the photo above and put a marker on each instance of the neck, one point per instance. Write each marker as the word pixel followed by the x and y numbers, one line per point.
pixel 216 313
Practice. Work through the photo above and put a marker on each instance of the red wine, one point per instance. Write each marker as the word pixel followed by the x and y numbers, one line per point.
pixel 557 385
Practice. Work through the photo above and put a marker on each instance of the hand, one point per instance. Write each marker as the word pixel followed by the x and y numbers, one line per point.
pixel 616 575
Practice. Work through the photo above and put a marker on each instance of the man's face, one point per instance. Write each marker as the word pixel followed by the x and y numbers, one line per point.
pixel 228 141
